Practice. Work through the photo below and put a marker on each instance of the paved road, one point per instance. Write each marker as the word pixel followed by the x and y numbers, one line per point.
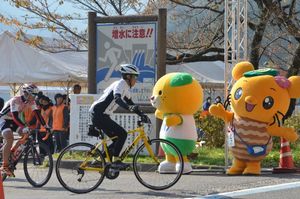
pixel 126 186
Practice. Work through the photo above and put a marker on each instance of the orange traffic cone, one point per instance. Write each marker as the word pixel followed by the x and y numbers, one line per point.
pixel 286 163
pixel 1 187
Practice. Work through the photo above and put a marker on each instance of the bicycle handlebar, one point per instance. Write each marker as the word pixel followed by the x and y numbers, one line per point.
pixel 48 133
pixel 144 119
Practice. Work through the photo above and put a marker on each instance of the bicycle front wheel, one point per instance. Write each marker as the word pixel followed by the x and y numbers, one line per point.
pixel 147 160
pixel 38 165
pixel 78 169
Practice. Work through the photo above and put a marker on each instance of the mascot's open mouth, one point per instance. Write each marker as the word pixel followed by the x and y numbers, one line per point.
pixel 154 101
pixel 249 107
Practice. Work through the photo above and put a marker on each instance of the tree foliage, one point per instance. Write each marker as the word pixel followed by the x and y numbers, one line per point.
pixel 56 17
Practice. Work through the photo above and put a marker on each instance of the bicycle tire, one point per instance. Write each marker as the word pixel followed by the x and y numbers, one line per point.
pixel 66 168
pixel 41 164
pixel 147 174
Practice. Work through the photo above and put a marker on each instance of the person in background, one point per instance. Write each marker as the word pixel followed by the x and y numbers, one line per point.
pixel 46 112
pixel 29 117
pixel 67 103
pixel 218 100
pixel 76 89
pixel 206 106
pixel 60 122
pixel 65 97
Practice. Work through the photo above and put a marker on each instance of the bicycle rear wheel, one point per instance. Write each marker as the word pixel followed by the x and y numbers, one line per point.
pixel 147 173
pixel 78 170
pixel 38 165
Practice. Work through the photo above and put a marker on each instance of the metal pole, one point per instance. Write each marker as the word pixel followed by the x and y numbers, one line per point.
pixel 226 46
pixel 161 52
pixel 92 66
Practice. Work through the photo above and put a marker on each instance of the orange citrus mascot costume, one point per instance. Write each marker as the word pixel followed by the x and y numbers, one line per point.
pixel 259 99
pixel 176 97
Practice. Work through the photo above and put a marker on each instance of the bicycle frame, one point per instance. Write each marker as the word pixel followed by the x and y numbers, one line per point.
pixel 28 146
pixel 141 136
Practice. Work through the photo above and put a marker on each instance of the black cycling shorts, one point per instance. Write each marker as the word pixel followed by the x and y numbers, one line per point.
pixel 11 125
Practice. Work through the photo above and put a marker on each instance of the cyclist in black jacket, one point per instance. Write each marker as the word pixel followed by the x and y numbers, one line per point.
pixel 117 94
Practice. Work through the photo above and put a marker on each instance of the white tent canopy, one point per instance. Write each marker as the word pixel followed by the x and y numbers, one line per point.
pixel 209 74
pixel 21 63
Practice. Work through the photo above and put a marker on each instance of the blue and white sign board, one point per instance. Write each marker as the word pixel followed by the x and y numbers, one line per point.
pixel 133 43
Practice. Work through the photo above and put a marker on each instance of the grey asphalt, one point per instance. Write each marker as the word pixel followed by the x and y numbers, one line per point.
pixel 195 185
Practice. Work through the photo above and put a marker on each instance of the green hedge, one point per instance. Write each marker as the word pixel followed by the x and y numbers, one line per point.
pixel 294 122
pixel 210 156
pixel 213 129
pixel 213 153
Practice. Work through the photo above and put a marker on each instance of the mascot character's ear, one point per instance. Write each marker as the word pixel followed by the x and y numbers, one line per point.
pixel 294 90
pixel 181 79
pixel 240 68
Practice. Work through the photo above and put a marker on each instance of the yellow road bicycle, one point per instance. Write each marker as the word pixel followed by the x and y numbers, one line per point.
pixel 81 167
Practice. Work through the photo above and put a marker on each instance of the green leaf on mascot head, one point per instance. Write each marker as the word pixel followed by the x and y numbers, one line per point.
pixel 181 79
pixel 260 72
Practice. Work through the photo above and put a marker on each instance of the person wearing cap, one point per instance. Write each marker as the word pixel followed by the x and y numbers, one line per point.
pixel 47 114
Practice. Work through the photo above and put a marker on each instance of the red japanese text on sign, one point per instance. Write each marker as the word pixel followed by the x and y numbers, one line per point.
pixel 133 32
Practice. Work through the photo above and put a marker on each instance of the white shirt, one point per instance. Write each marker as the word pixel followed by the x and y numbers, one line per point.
pixel 106 102
pixel 185 131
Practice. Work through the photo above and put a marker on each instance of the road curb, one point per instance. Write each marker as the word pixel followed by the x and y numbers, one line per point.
pixel 196 168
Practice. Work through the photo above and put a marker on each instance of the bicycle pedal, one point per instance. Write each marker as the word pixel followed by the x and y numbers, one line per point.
pixel 11 175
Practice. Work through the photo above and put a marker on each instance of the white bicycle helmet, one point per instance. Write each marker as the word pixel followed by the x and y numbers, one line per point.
pixel 30 89
pixel 129 69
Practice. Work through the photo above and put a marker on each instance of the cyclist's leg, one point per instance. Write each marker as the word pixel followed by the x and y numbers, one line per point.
pixel 7 133
pixel 105 123
pixel 111 129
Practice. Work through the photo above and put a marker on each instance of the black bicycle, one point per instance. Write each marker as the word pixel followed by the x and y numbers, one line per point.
pixel 37 161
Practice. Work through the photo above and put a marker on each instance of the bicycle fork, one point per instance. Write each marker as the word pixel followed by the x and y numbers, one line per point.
pixel 150 150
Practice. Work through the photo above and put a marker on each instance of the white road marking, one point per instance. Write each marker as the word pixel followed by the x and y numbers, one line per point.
pixel 252 191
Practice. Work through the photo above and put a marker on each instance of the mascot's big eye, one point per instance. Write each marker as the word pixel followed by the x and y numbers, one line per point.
pixel 268 102
pixel 238 93
pixel 160 92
